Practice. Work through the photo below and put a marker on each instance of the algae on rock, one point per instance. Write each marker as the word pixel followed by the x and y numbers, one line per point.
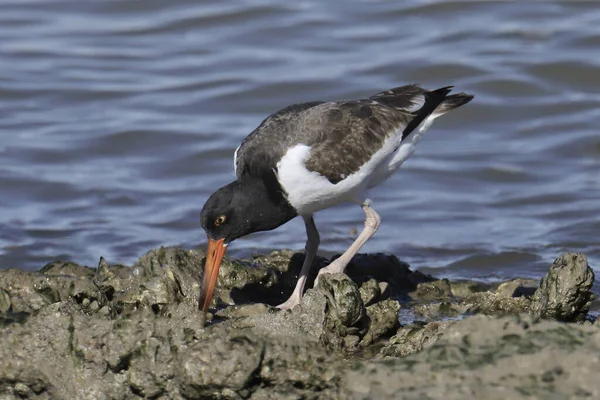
pixel 565 292
pixel 135 332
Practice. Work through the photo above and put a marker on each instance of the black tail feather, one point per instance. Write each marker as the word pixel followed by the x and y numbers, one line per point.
pixel 433 99
pixel 436 101
pixel 454 101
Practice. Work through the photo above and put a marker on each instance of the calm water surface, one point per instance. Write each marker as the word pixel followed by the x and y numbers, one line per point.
pixel 118 119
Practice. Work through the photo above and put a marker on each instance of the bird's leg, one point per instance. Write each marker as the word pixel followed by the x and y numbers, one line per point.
pixel 372 222
pixel 312 244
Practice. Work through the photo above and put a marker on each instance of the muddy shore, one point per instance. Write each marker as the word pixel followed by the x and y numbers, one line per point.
pixel 381 331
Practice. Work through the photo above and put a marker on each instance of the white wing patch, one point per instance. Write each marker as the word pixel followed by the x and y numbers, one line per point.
pixel 417 103
pixel 308 191
pixel 235 160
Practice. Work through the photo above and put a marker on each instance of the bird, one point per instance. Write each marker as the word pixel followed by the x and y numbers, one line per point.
pixel 311 156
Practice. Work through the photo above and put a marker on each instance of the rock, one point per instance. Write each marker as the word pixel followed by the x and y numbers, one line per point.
pixel 414 338
pixel 151 355
pixel 385 268
pixel 439 311
pixel 491 303
pixel 30 291
pixel 351 341
pixel 471 297
pixel 345 302
pixel 433 290
pixel 385 290
pixel 280 271
pixel 242 282
pixel 517 288
pixel 221 363
pixel 482 357
pixel 135 332
pixel 66 268
pixel 160 277
pixel 564 293
pixel 5 304
pixel 244 310
pixel 327 314
pixel 464 288
pixel 272 277
pixel 163 276
pixel 331 314
pixel 370 292
pixel 382 319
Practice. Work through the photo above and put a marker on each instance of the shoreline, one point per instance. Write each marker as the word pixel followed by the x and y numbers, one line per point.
pixel 381 330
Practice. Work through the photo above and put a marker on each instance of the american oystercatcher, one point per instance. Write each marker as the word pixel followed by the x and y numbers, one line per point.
pixel 311 156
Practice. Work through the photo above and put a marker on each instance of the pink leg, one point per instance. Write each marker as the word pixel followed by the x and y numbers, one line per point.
pixel 372 223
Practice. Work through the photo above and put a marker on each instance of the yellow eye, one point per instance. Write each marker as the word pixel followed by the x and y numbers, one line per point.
pixel 220 220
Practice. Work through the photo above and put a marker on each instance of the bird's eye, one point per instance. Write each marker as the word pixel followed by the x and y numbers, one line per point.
pixel 220 220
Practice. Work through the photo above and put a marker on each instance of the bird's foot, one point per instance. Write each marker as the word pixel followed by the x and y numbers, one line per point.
pixel 290 303
pixel 335 267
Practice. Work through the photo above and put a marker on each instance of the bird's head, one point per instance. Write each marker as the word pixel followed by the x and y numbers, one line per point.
pixel 222 216
pixel 233 211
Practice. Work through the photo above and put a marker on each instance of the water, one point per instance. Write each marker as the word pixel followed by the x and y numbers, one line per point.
pixel 118 119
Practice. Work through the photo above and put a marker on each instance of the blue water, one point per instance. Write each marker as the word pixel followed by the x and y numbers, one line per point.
pixel 118 119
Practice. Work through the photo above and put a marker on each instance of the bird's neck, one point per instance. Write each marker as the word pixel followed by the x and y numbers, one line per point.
pixel 265 203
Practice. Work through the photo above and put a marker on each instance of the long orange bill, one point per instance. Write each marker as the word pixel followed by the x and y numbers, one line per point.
pixel 214 255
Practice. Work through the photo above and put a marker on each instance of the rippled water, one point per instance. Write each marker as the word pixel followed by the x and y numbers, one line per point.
pixel 118 119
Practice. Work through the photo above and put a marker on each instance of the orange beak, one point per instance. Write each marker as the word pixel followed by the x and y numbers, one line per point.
pixel 214 255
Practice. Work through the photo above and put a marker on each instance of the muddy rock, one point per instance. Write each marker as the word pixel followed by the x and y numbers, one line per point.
pixel 439 311
pixel 484 357
pixel 382 319
pixel 564 293
pixel 491 303
pixel 386 291
pixel 273 277
pixel 270 279
pixel 414 338
pixel 370 292
pixel 385 268
pixel 244 310
pixel 162 276
pixel 469 297
pixel 242 281
pixel 327 314
pixel 5 303
pixel 67 268
pixel 517 288
pixel 343 299
pixel 433 290
pixel 135 332
pixel 233 364
pixel 62 353
pixel 331 314
pixel 29 291
pixel 464 288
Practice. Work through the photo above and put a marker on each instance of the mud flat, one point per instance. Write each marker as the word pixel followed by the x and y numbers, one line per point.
pixel 382 331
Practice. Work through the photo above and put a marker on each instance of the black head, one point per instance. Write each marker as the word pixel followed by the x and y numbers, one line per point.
pixel 241 208
pixel 235 210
